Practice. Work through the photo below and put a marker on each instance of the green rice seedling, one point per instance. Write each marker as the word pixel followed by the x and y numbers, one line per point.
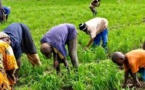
pixel 126 32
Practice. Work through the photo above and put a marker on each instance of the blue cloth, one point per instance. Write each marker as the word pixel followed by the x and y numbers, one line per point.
pixel 59 36
pixel 142 72
pixel 101 36
pixel 7 10
pixel 21 40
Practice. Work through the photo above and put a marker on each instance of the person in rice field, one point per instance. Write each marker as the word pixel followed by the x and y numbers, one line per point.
pixel 21 42
pixel 8 63
pixel 4 12
pixel 93 5
pixel 7 11
pixel 55 40
pixel 97 29
pixel 133 63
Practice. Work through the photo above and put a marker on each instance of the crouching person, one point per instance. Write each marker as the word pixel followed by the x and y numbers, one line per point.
pixel 8 64
pixel 134 62
pixel 54 41
pixel 97 29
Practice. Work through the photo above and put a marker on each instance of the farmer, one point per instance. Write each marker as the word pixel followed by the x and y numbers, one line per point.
pixel 4 12
pixel 54 41
pixel 97 29
pixel 8 63
pixel 93 5
pixel 22 42
pixel 134 62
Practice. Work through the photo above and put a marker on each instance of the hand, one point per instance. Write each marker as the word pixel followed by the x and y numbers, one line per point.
pixel 86 48
pixel 34 59
pixel 56 64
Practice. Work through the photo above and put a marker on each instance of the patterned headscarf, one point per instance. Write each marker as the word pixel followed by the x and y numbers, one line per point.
pixel 3 35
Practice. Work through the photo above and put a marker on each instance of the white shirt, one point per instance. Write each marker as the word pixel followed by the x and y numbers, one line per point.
pixel 96 25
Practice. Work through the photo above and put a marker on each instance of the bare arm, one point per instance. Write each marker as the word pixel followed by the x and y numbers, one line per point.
pixel 55 63
pixel 65 62
pixel 66 65
pixel 135 80
pixel 125 78
pixel 90 42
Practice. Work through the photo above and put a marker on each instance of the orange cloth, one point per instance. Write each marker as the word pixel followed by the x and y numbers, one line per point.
pixel 8 58
pixel 4 82
pixel 135 60
pixel 7 62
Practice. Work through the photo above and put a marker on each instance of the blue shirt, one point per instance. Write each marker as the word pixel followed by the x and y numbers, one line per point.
pixel 59 36
pixel 21 40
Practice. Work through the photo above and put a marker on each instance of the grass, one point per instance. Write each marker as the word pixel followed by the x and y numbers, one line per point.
pixel 126 32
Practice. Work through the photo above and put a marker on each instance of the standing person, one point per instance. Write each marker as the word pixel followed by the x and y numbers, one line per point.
pixel 22 42
pixel 8 63
pixel 133 62
pixel 97 29
pixel 54 41
pixel 93 5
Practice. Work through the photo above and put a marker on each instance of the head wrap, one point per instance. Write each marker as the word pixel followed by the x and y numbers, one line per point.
pixel 3 35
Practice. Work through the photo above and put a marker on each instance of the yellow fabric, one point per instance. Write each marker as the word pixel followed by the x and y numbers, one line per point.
pixel 8 58
pixel 4 82
pixel 59 54
pixel 7 62
pixel 136 60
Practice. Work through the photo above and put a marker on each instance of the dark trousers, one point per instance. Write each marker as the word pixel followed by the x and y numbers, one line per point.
pixel 72 48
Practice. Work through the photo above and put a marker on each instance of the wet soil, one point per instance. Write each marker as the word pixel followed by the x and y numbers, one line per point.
pixel 142 87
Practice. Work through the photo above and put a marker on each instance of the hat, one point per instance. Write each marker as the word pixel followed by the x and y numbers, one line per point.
pixel 83 26
pixel 3 35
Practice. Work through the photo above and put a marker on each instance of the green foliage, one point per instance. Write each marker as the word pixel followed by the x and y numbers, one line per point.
pixel 126 32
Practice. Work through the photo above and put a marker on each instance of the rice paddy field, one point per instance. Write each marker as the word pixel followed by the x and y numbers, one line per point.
pixel 96 70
